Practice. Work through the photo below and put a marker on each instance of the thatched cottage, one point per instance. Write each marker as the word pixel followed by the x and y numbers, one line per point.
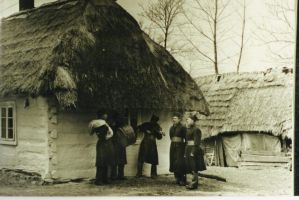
pixel 250 121
pixel 61 62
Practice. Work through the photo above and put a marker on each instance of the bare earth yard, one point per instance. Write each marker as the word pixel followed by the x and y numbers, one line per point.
pixel 271 181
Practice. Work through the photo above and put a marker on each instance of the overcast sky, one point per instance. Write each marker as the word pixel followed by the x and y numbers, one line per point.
pixel 256 55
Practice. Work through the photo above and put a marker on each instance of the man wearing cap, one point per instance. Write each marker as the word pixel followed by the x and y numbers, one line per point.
pixel 193 153
pixel 104 149
pixel 148 152
pixel 177 135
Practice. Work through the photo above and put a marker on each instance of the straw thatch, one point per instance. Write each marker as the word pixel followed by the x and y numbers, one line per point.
pixel 248 102
pixel 91 54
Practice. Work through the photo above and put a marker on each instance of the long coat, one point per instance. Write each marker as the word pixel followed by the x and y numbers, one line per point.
pixel 194 158
pixel 177 149
pixel 148 152
pixel 105 155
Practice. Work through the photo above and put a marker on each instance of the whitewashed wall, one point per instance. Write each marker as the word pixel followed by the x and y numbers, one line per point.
pixel 75 148
pixel 31 152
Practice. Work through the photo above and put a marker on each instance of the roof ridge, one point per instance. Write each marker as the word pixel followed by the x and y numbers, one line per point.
pixel 265 72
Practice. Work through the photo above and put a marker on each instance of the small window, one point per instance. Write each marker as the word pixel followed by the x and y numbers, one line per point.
pixel 8 123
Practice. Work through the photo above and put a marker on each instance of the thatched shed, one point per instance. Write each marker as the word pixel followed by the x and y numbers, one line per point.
pixel 251 113
pixel 61 62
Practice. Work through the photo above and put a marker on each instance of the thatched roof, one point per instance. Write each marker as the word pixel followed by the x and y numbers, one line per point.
pixel 259 102
pixel 91 53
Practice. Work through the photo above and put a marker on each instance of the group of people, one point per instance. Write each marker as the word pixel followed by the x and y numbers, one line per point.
pixel 186 156
pixel 109 153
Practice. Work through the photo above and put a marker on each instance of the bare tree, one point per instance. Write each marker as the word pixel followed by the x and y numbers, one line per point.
pixel 162 15
pixel 277 31
pixel 209 21
pixel 242 43
pixel 202 26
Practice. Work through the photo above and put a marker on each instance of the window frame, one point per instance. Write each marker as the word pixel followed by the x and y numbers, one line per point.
pixel 7 141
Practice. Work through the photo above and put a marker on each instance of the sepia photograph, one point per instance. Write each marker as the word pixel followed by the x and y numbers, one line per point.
pixel 147 98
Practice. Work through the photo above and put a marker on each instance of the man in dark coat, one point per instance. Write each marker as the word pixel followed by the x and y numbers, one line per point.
pixel 104 149
pixel 177 135
pixel 193 153
pixel 118 121
pixel 148 152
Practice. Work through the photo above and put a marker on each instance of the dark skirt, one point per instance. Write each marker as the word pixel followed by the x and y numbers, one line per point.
pixel 195 162
pixel 177 161
pixel 148 152
pixel 105 153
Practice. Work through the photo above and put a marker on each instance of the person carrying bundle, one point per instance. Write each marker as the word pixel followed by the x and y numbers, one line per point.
pixel 104 148
pixel 123 136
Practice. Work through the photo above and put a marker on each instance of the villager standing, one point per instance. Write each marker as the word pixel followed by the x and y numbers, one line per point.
pixel 120 151
pixel 177 135
pixel 193 153
pixel 148 152
pixel 104 148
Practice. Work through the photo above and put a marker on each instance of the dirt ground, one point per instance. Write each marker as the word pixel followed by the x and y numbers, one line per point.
pixel 271 181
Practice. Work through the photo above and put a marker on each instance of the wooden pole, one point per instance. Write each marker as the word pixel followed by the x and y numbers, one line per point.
pixel 218 178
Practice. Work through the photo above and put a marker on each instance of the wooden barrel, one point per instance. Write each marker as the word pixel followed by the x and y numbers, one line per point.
pixel 126 136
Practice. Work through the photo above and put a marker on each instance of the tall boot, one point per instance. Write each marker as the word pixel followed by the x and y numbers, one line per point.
pixel 183 179
pixel 154 171
pixel 194 184
pixel 139 169
pixel 177 178
pixel 121 173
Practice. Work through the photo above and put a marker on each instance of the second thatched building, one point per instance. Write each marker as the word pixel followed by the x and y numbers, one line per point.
pixel 251 118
